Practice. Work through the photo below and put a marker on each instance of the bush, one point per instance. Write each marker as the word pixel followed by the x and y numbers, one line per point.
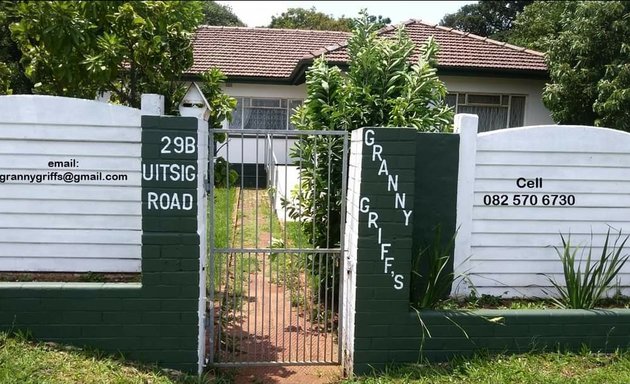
pixel 383 88
pixel 584 288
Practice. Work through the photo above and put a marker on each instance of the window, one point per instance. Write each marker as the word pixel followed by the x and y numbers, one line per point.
pixel 263 113
pixel 494 111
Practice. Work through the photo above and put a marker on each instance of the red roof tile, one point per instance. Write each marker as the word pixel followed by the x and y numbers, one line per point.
pixel 257 52
pixel 458 49
pixel 275 53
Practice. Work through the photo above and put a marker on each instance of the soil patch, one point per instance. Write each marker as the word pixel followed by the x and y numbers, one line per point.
pixel 265 320
pixel 63 277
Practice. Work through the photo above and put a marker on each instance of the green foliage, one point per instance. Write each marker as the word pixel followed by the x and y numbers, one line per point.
pixel 540 23
pixel 589 66
pixel 434 283
pixel 12 77
pixel 486 18
pixel 78 49
pixel 5 83
pixel 382 88
pixel 583 288
pixel 300 18
pixel 221 107
pixel 219 14
pixel 224 176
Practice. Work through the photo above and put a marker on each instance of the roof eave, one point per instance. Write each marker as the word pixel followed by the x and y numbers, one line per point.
pixel 246 79
pixel 298 75
pixel 492 72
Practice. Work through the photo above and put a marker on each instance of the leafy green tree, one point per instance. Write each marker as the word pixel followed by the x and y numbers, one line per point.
pixel 5 84
pixel 300 18
pixel 382 88
pixel 218 14
pixel 540 23
pixel 12 76
pixel 487 18
pixel 589 66
pixel 81 48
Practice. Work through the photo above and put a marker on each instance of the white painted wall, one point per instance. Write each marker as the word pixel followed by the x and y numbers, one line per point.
pixel 265 90
pixel 70 227
pixel 535 111
pixel 508 250
pixel 255 149
pixel 202 222
pixel 348 278
pixel 286 179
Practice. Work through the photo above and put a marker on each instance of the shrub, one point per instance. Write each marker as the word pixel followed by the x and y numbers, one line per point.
pixel 382 89
pixel 584 288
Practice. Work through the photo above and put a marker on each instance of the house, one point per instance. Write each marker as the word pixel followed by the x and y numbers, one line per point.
pixel 499 82
pixel 266 68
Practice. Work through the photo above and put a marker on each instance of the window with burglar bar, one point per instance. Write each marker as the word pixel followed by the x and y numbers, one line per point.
pixel 495 111
pixel 263 113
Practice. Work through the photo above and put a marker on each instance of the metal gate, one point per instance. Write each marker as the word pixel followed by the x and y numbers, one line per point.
pixel 276 238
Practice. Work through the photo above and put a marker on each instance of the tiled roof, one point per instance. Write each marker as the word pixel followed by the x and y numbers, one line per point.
pixel 457 49
pixel 278 54
pixel 257 52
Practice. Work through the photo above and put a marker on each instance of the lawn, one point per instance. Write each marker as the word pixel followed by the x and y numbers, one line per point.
pixel 548 368
pixel 24 362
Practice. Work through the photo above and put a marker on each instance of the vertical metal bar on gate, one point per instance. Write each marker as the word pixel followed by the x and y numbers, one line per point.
pixel 245 337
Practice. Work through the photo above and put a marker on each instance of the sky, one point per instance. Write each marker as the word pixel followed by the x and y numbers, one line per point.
pixel 258 13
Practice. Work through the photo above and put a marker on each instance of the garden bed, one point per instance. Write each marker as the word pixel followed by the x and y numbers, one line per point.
pixel 64 277
pixel 497 302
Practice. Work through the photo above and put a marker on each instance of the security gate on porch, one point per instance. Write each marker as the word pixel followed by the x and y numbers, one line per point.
pixel 276 238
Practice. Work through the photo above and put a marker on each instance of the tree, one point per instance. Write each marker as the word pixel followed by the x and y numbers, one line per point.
pixel 486 18
pixel 300 18
pixel 217 14
pixel 12 76
pixel 540 23
pixel 589 66
pixel 78 49
pixel 382 88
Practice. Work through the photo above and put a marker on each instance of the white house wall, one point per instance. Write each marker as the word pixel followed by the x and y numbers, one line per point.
pixel 265 90
pixel 535 111
pixel 65 226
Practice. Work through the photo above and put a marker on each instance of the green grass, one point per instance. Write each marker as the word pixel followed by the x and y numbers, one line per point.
pixel 25 362
pixel 224 201
pixel 296 236
pixel 548 368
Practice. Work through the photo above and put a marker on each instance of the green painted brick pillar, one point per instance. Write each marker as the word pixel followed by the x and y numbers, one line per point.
pixel 159 319
pixel 174 163
pixel 402 185
pixel 379 241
